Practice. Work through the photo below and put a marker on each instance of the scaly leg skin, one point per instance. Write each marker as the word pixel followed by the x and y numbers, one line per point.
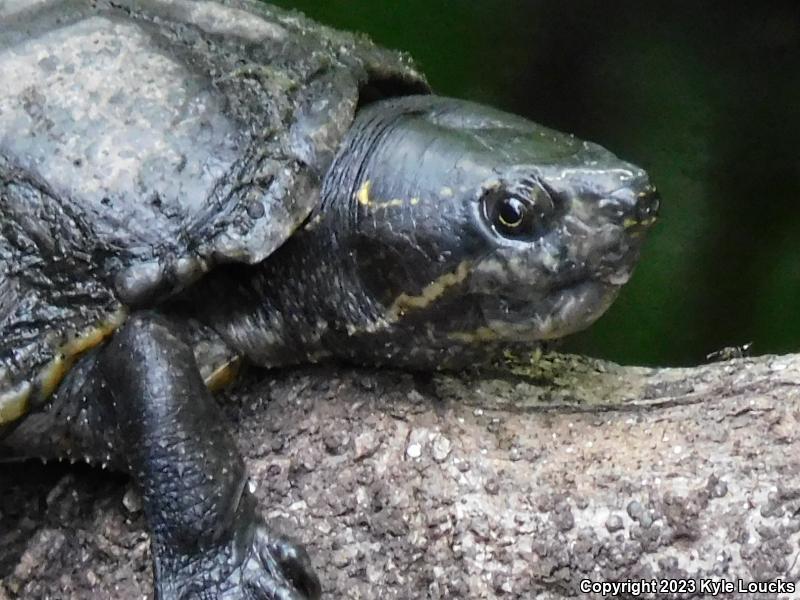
pixel 208 538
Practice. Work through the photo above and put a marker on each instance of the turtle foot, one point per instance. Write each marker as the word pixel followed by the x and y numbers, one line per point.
pixel 254 565
pixel 276 569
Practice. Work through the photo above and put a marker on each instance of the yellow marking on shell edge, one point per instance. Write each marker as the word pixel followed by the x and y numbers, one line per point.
pixel 14 403
pixel 446 192
pixel 51 375
pixel 430 293
pixel 363 193
pixel 481 334
pixel 224 375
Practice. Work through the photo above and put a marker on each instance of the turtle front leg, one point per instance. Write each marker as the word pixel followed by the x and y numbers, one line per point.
pixel 209 540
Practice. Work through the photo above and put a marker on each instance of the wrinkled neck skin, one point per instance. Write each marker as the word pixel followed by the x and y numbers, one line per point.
pixel 309 303
pixel 410 261
pixel 354 285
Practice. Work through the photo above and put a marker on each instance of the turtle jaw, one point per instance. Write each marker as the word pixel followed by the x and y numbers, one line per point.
pixel 550 315
pixel 562 283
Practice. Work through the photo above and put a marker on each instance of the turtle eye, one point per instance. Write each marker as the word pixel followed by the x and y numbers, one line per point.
pixel 509 215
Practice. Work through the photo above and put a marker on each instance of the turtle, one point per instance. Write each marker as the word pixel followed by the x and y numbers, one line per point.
pixel 190 185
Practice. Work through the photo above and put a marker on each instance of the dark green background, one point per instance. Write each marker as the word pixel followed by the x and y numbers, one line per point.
pixel 705 95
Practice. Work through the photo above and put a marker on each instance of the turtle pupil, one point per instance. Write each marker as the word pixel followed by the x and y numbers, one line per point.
pixel 511 212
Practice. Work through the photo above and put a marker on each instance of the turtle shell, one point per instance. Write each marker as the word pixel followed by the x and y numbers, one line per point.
pixel 144 142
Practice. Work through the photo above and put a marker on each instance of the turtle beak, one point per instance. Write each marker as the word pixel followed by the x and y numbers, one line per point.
pixel 620 229
pixel 564 280
pixel 643 211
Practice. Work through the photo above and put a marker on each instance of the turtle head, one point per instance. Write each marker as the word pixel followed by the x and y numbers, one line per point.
pixel 470 227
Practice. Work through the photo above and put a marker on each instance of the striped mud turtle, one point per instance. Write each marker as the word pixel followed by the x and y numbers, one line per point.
pixel 185 185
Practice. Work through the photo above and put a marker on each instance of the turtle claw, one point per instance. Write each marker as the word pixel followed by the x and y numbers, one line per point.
pixel 278 569
pixel 253 565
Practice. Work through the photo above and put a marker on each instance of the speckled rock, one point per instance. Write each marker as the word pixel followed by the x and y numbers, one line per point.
pixel 577 470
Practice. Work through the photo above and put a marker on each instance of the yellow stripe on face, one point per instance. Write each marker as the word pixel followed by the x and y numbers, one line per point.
pixel 430 293
pixel 362 195
pixel 389 204
pixel 480 335
pixel 364 199
pixel 629 222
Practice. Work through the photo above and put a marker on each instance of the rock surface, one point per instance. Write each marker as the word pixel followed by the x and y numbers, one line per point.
pixel 472 486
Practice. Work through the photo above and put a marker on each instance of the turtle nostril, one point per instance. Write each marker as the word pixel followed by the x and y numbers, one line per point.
pixel 648 203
